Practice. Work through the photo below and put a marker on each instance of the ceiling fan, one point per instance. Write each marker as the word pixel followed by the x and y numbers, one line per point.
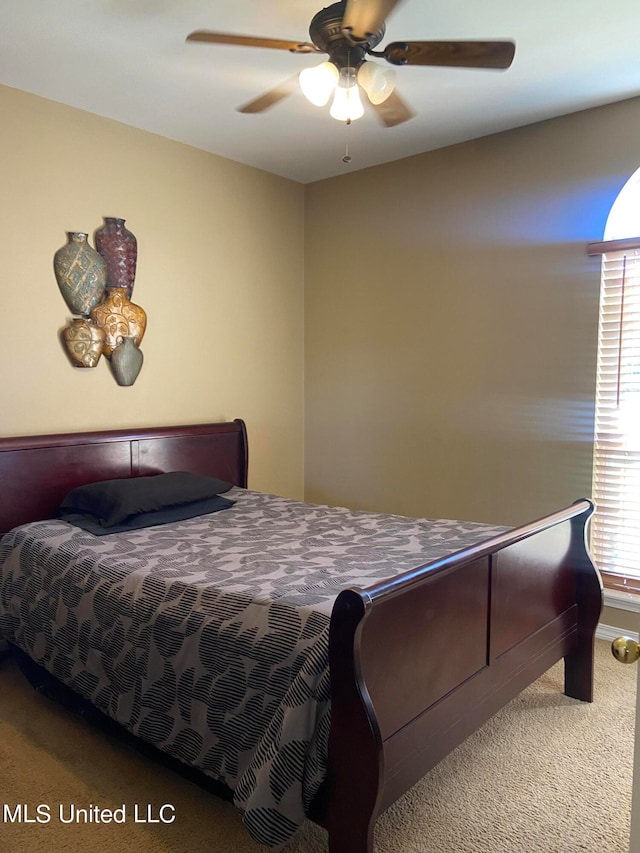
pixel 348 31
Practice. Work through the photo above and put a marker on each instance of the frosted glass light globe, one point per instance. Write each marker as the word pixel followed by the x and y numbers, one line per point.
pixel 347 105
pixel 378 82
pixel 318 83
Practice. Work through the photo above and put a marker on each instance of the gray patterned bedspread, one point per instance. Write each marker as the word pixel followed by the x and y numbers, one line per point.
pixel 209 637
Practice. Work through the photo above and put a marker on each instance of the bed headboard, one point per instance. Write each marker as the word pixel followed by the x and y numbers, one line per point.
pixel 37 471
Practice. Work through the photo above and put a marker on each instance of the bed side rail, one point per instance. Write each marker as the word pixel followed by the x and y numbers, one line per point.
pixel 578 512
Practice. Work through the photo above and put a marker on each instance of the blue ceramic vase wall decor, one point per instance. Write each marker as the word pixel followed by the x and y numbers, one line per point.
pixel 81 273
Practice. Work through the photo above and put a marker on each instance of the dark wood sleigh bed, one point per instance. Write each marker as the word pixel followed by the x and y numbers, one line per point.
pixel 417 662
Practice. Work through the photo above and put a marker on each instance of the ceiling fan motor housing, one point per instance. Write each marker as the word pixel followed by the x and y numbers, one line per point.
pixel 325 31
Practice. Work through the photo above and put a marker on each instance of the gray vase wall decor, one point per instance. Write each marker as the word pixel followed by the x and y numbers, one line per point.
pixel 126 361
pixel 119 248
pixel 81 273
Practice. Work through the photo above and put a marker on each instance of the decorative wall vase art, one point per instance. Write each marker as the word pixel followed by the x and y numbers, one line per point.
pixel 119 248
pixel 81 274
pixel 83 342
pixel 96 285
pixel 120 318
pixel 126 361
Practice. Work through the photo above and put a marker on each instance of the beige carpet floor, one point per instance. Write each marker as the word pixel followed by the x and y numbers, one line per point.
pixel 546 775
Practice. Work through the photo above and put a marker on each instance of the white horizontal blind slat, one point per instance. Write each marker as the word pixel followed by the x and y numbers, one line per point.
pixel 615 532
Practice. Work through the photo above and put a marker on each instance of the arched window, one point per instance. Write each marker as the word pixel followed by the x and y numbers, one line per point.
pixel 615 534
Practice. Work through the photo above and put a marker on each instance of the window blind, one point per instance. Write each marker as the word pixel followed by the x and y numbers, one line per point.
pixel 615 530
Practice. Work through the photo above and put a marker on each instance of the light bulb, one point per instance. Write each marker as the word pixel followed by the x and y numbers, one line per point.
pixel 317 83
pixel 347 105
pixel 378 82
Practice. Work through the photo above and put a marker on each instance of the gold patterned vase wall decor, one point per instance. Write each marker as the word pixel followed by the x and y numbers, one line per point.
pixel 81 274
pixel 119 248
pixel 126 361
pixel 119 318
pixel 83 342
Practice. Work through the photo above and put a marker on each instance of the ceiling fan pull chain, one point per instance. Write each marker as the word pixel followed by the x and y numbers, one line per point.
pixel 347 157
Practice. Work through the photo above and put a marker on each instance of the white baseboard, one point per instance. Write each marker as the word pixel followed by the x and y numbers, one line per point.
pixel 609 633
pixel 618 600
pixel 621 600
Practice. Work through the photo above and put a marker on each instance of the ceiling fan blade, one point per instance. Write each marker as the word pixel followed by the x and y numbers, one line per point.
pixel 253 41
pixel 393 110
pixel 269 99
pixel 364 18
pixel 455 54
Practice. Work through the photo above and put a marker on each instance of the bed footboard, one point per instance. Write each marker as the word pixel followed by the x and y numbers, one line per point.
pixel 421 661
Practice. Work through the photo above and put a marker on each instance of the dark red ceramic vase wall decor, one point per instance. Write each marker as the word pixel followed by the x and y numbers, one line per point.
pixel 119 248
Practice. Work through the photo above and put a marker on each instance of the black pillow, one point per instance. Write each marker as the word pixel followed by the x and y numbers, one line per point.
pixel 112 502
pixel 149 519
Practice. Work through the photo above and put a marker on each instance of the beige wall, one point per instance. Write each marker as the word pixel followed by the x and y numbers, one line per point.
pixel 220 274
pixel 451 309
pixel 451 321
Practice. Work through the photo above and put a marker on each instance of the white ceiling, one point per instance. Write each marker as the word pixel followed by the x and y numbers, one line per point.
pixel 128 60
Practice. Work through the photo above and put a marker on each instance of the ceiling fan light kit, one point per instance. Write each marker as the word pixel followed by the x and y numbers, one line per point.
pixel 349 31
pixel 321 81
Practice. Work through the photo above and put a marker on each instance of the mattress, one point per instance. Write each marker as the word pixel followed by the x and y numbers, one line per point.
pixel 209 637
